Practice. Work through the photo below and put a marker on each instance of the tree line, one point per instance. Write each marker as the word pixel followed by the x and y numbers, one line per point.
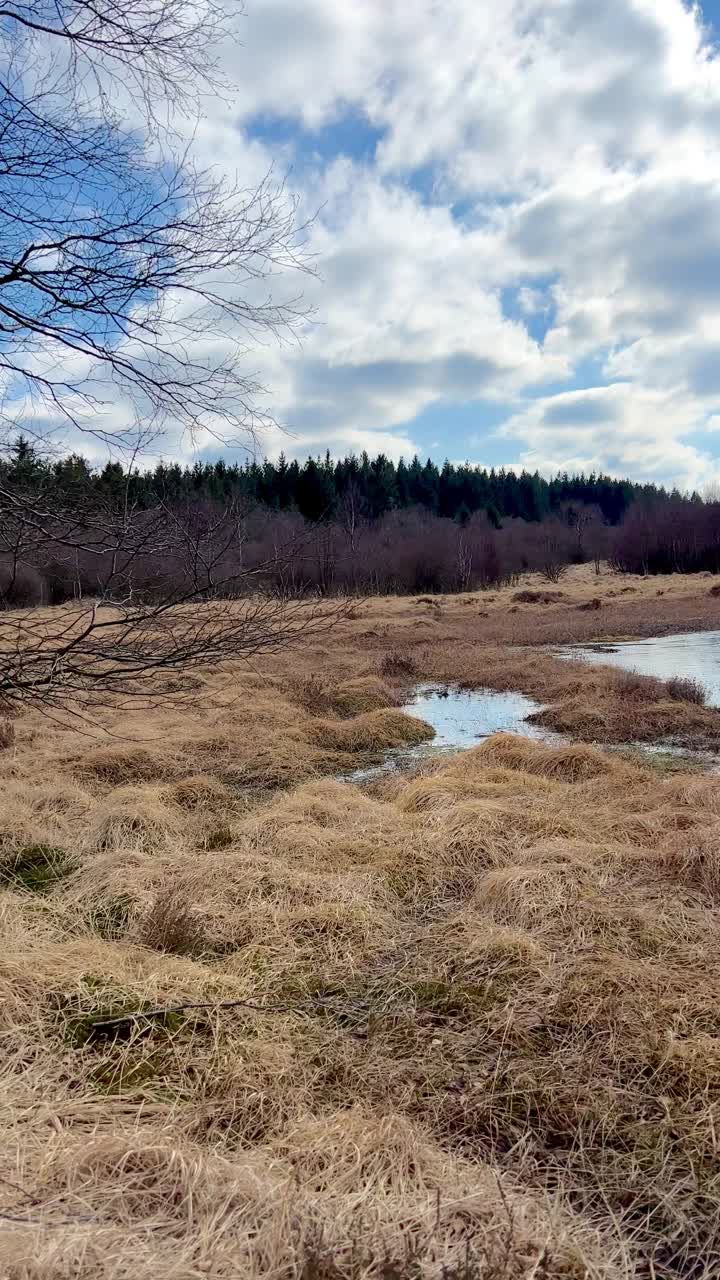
pixel 320 489
pixel 297 531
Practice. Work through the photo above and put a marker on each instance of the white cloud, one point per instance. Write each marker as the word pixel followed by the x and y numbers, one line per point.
pixel 628 430
pixel 598 124
pixel 570 152
pixel 494 95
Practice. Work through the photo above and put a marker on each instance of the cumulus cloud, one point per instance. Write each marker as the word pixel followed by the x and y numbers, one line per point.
pixel 581 142
pixel 540 167
pixel 628 430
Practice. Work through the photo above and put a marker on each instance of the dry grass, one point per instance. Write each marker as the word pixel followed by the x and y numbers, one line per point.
pixel 463 1024
pixel 7 734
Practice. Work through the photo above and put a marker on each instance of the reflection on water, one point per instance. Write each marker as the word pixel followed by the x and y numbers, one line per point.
pixel 461 718
pixel 696 654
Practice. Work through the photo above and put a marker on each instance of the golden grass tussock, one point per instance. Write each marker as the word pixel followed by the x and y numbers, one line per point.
pixel 41 815
pixel 371 731
pixel 135 818
pixel 363 694
pixel 460 1023
pixel 326 825
pixel 572 763
pixel 693 858
pixel 200 792
pixel 121 765
pixel 345 698
pixel 248 1217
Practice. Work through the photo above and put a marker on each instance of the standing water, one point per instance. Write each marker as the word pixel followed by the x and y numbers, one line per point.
pixel 695 655
pixel 461 718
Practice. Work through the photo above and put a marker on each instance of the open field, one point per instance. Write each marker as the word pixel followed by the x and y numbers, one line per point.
pixel 472 1022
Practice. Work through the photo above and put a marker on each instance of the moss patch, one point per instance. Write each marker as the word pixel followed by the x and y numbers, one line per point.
pixel 35 868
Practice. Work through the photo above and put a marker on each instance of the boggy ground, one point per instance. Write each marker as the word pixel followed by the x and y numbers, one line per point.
pixel 461 1023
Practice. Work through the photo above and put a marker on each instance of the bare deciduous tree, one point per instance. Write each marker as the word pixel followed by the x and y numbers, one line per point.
pixel 553 555
pixel 115 257
pixel 160 593
pixel 132 283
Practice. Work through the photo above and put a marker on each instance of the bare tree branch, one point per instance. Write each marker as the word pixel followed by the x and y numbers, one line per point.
pixel 133 285
pixel 115 260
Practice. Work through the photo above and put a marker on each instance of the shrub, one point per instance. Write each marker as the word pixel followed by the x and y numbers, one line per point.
pixel 686 689
pixel 538 597
pixel 398 664
pixel 632 687
pixel 171 925
pixel 21 586
pixel 7 734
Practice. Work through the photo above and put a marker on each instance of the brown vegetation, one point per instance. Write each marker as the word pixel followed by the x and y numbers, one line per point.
pixel 459 1023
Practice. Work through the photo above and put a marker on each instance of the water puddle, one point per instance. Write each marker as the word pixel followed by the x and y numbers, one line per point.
pixel 461 718
pixel 695 655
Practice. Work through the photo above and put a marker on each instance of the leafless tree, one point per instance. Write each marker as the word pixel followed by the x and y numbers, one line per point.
pixel 133 283
pixel 115 258
pixel 352 514
pixel 165 592
pixel 353 518
pixel 463 562
pixel 554 552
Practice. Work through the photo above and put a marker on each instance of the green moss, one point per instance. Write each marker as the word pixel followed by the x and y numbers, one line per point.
pixel 115 1076
pixel 35 868
pixel 383 1001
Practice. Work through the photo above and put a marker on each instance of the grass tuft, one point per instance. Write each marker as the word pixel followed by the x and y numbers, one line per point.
pixel 396 664
pixel 36 868
pixel 171 925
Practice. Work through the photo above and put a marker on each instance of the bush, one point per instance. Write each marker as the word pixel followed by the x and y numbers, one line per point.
pixel 171 925
pixel 21 586
pixel 686 689
pixel 632 687
pixel 398 664
pixel 538 597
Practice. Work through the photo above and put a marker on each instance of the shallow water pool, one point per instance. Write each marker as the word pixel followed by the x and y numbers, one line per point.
pixel 461 718
pixel 695 655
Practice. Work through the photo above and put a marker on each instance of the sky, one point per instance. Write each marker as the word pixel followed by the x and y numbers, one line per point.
pixel 518 236
pixel 515 228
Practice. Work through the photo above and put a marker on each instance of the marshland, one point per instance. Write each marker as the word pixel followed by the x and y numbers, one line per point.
pixel 359 805
pixel 460 1019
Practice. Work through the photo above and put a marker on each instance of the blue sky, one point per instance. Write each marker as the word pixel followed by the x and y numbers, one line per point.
pixel 516 228
pixel 518 237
